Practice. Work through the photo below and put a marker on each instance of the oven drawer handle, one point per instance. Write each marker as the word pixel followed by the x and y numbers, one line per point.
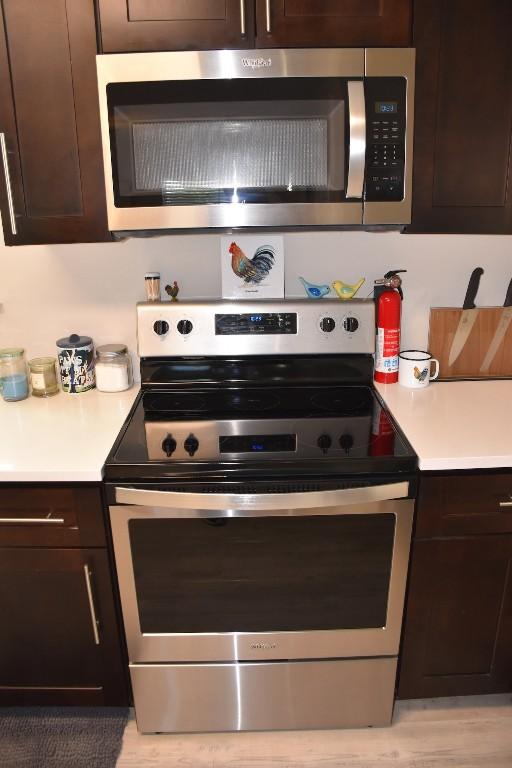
pixel 254 503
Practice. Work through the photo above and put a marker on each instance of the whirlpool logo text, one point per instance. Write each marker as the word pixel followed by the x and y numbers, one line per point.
pixel 256 63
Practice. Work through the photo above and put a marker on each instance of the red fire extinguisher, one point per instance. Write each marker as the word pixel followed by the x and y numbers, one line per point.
pixel 388 305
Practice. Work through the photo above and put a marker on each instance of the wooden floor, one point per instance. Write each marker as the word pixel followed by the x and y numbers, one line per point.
pixel 469 732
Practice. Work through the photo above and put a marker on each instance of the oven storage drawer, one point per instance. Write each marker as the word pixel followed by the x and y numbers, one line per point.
pixel 276 696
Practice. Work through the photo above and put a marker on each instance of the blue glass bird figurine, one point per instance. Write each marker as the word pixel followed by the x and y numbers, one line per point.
pixel 315 291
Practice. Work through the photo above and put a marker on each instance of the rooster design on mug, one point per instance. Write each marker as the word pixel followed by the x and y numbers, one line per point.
pixel 420 375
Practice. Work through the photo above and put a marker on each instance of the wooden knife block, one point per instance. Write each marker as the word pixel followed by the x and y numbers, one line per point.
pixel 443 325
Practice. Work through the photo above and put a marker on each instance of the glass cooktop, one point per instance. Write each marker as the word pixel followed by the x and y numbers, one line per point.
pixel 272 431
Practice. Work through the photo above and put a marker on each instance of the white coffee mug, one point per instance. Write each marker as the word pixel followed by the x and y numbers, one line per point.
pixel 415 369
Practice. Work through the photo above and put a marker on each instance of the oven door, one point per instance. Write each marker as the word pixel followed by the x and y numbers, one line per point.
pixel 214 577
pixel 233 138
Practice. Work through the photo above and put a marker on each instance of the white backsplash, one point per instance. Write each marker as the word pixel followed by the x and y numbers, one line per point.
pixel 47 292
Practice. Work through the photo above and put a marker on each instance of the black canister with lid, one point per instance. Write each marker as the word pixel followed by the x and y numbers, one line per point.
pixel 76 363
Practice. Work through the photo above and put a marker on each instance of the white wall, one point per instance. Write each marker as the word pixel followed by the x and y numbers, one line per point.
pixel 47 292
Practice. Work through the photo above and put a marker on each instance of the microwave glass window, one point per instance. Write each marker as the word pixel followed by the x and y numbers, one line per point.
pixel 190 143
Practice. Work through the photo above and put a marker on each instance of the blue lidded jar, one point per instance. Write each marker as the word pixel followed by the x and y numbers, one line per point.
pixel 76 363
pixel 13 374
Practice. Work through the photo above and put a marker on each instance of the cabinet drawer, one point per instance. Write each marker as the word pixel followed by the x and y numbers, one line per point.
pixel 464 504
pixel 50 516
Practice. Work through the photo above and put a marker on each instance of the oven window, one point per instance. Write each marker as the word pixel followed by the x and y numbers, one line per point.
pixel 262 574
pixel 225 141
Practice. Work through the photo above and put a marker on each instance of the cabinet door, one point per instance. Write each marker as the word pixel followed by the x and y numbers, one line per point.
pixel 49 651
pixel 51 181
pixel 463 116
pixel 458 626
pixel 175 25
pixel 331 23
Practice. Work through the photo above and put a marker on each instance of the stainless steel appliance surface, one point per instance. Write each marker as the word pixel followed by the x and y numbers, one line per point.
pixel 267 138
pixel 261 505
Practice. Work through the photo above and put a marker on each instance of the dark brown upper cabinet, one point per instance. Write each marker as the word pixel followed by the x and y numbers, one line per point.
pixel 175 25
pixel 51 179
pixel 462 178
pixel 332 23
pixel 165 25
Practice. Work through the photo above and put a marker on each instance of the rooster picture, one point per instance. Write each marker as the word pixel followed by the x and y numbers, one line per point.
pixel 252 270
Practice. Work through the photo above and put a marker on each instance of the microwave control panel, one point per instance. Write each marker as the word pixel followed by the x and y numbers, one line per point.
pixel 385 138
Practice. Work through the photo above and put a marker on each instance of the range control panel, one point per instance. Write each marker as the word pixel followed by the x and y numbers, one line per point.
pixel 225 328
pixel 340 436
pixel 385 138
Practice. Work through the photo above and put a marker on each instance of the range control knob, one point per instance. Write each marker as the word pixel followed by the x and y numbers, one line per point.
pixel 191 444
pixel 161 327
pixel 324 442
pixel 327 324
pixel 169 446
pixel 351 324
pixel 346 442
pixel 184 327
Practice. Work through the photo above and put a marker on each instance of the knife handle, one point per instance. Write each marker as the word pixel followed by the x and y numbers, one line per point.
pixel 474 282
pixel 508 297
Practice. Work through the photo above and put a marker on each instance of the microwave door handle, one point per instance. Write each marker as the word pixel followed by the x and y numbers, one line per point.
pixel 357 138
pixel 260 505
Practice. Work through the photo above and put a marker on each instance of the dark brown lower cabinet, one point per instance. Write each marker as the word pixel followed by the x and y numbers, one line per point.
pixel 60 640
pixel 458 623
pixel 49 651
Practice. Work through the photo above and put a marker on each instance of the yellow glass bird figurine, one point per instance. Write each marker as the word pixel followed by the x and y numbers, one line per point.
pixel 346 291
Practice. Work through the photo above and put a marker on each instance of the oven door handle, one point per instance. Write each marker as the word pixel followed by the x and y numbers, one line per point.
pixel 248 504
pixel 357 138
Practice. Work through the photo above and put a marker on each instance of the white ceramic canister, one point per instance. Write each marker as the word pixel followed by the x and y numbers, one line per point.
pixel 113 368
pixel 76 363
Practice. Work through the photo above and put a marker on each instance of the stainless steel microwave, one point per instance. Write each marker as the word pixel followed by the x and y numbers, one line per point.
pixel 257 138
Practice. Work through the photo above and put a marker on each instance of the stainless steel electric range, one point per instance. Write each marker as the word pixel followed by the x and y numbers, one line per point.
pixel 261 504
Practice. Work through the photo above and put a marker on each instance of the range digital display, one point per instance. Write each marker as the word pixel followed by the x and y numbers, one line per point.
pixel 257 443
pixel 386 107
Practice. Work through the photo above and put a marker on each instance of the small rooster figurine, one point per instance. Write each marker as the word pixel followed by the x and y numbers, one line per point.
pixel 252 270
pixel 172 291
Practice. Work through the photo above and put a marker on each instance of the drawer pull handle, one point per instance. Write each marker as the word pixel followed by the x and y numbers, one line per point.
pixel 31 520
pixel 506 503
pixel 10 203
pixel 267 13
pixel 94 620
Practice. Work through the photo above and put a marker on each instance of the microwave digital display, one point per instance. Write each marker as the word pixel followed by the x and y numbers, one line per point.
pixel 386 107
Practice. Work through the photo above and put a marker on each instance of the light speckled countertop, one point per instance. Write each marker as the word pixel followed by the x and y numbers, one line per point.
pixel 65 438
pixel 455 424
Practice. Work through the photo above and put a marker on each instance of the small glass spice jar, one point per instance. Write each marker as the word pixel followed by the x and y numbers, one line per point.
pixel 13 374
pixel 43 376
pixel 113 368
